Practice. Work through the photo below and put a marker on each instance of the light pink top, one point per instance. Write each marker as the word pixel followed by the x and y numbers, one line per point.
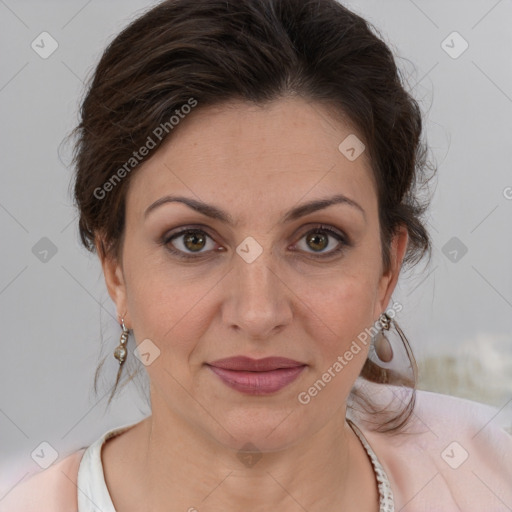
pixel 455 455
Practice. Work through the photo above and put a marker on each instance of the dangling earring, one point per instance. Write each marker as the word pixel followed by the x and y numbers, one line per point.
pixel 382 345
pixel 120 352
pixel 379 367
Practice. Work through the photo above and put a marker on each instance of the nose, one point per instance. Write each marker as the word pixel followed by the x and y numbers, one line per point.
pixel 259 300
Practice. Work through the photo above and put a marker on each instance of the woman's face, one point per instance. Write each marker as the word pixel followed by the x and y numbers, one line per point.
pixel 261 282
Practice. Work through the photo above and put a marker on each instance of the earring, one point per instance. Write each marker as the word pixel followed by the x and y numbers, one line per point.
pixel 382 345
pixel 120 352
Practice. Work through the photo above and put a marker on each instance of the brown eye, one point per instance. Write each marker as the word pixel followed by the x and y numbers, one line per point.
pixel 194 241
pixel 317 241
pixel 320 239
pixel 189 241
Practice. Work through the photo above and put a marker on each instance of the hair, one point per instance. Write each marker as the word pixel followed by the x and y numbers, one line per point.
pixel 257 51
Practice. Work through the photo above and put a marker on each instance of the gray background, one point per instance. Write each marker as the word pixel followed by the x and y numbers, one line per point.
pixel 56 316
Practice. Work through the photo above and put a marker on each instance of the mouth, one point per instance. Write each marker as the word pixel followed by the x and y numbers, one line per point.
pixel 257 376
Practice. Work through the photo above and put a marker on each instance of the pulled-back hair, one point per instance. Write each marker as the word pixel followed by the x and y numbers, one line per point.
pixel 257 51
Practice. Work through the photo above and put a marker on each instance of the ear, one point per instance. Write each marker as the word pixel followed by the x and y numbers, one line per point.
pixel 389 279
pixel 114 279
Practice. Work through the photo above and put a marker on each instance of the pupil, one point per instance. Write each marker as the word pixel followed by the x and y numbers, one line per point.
pixel 193 239
pixel 315 239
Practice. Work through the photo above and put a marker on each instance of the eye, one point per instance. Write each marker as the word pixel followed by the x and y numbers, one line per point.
pixel 319 239
pixel 188 242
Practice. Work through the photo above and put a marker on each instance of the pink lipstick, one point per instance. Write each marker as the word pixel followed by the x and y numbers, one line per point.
pixel 257 376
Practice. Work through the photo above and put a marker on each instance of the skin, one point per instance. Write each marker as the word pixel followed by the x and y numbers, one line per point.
pixel 256 163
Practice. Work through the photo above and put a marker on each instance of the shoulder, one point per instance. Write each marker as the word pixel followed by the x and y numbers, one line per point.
pixel 53 489
pixel 57 489
pixel 453 453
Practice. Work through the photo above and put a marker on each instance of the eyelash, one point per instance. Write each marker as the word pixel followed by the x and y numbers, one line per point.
pixel 344 241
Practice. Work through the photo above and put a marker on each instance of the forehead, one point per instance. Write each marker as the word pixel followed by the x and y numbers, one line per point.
pixel 246 155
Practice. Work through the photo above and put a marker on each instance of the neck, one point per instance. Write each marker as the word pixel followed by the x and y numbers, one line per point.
pixel 175 462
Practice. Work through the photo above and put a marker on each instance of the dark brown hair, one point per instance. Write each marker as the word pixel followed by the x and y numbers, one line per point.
pixel 256 51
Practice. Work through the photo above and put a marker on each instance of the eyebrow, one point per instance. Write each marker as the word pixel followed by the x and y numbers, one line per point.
pixel 294 214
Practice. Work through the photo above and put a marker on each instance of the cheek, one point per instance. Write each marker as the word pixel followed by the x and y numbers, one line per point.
pixel 167 308
pixel 338 337
pixel 337 311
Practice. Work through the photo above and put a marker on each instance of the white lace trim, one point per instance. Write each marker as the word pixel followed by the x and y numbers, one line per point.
pixel 94 493
pixel 386 500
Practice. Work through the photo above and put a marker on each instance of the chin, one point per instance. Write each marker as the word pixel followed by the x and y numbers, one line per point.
pixel 268 430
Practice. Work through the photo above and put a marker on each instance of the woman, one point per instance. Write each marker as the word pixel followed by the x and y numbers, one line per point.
pixel 247 173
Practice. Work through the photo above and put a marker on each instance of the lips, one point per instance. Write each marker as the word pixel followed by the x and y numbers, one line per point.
pixel 243 363
pixel 257 376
